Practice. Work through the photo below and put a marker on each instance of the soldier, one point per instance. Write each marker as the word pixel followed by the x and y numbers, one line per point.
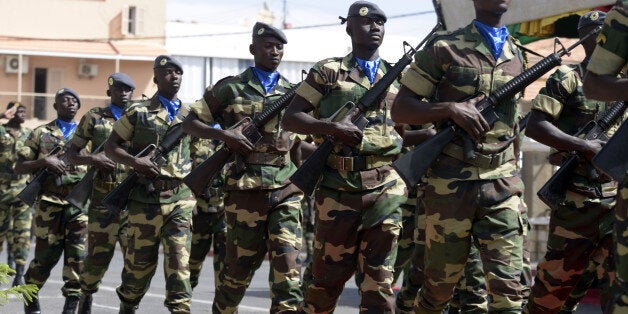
pixel 15 216
pixel 609 58
pixel 263 209
pixel 358 213
pixel 208 220
pixel 60 228
pixel 581 226
pixel 104 228
pixel 478 198
pixel 160 207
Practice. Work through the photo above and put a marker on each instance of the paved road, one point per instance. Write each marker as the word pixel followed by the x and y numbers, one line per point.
pixel 106 301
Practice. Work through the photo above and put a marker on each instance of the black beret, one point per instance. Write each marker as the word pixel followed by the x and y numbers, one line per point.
pixel 120 78
pixel 591 18
pixel 264 30
pixel 66 90
pixel 12 104
pixel 164 61
pixel 366 9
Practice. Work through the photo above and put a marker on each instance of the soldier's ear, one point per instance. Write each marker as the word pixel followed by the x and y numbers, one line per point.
pixel 154 80
pixel 252 49
pixel 348 30
pixel 109 93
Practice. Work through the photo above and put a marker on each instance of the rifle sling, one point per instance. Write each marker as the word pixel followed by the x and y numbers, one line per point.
pixel 491 161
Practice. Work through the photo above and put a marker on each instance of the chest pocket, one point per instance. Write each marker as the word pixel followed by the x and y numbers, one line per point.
pixel 48 143
pixel 458 83
pixel 241 108
pixel 102 130
pixel 147 131
pixel 337 97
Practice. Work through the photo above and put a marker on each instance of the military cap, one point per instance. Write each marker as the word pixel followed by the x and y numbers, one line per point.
pixel 591 18
pixel 12 104
pixel 164 61
pixel 67 90
pixel 264 30
pixel 120 78
pixel 364 9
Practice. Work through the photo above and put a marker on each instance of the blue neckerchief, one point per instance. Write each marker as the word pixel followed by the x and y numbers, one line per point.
pixel 268 79
pixel 116 111
pixel 369 67
pixel 494 36
pixel 67 128
pixel 172 106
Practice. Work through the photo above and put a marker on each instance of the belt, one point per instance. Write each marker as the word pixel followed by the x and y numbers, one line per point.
pixel 166 184
pixel 267 159
pixel 480 160
pixel 108 186
pixel 358 163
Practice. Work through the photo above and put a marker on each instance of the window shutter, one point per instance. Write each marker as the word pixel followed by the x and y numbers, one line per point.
pixel 124 20
pixel 139 18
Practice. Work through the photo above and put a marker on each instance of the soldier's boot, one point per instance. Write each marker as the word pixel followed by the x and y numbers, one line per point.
pixel 10 259
pixel 18 280
pixel 71 304
pixel 85 305
pixel 32 307
pixel 126 308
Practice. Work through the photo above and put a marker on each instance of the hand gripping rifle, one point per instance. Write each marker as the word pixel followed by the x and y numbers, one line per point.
pixel 613 158
pixel 32 190
pixel 117 199
pixel 307 175
pixel 199 179
pixel 414 164
pixel 82 191
pixel 553 191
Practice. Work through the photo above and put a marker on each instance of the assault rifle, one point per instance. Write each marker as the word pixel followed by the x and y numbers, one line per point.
pixel 117 199
pixel 203 174
pixel 414 164
pixel 613 158
pixel 306 177
pixel 82 191
pixel 553 191
pixel 32 190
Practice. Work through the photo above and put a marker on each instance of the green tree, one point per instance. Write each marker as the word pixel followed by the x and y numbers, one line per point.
pixel 24 293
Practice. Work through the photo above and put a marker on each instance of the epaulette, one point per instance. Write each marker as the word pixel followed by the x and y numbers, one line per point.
pixel 444 35
pixel 226 79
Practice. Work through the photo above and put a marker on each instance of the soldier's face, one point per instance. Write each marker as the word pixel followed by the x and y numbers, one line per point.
pixel 365 31
pixel 168 80
pixel 20 115
pixel 66 106
pixel 492 6
pixel 267 53
pixel 120 94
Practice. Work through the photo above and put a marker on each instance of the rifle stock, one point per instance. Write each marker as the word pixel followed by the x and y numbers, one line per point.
pixel 32 190
pixel 412 175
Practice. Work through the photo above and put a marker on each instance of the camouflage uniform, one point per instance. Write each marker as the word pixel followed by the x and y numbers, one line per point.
pixel 60 228
pixel 160 217
pixel 481 199
pixel 15 215
pixel 581 226
pixel 103 229
pixel 208 221
pixel 263 209
pixel 609 57
pixel 358 213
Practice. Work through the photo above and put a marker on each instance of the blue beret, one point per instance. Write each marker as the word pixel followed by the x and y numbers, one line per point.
pixel 67 90
pixel 120 78
pixel 591 18
pixel 264 30
pixel 164 61
pixel 365 9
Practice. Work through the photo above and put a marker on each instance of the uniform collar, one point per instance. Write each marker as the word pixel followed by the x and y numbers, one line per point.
pixel 471 34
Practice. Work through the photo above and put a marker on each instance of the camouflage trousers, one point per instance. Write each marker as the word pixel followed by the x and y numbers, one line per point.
pixel 103 231
pixel 356 230
pixel 16 220
pixel 261 221
pixel 620 298
pixel 489 211
pixel 59 229
pixel 207 229
pixel 405 244
pixel 580 232
pixel 150 225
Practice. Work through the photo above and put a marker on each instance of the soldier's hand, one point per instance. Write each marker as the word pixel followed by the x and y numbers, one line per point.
pixel 591 148
pixel 466 116
pixel 9 113
pixel 146 167
pixel 347 133
pixel 102 162
pixel 54 164
pixel 237 142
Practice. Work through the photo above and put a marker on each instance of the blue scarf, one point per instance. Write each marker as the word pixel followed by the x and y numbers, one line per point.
pixel 495 37
pixel 268 79
pixel 369 67
pixel 67 128
pixel 116 111
pixel 172 106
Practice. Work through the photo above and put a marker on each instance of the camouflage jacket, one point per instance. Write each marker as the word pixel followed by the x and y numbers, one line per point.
pixel 39 145
pixel 611 54
pixel 201 149
pixel 332 83
pixel 455 66
pixel 95 127
pixel 562 99
pixel 146 123
pixel 241 96
pixel 10 142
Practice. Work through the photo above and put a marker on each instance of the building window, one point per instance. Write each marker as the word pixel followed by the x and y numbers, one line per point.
pixel 132 20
